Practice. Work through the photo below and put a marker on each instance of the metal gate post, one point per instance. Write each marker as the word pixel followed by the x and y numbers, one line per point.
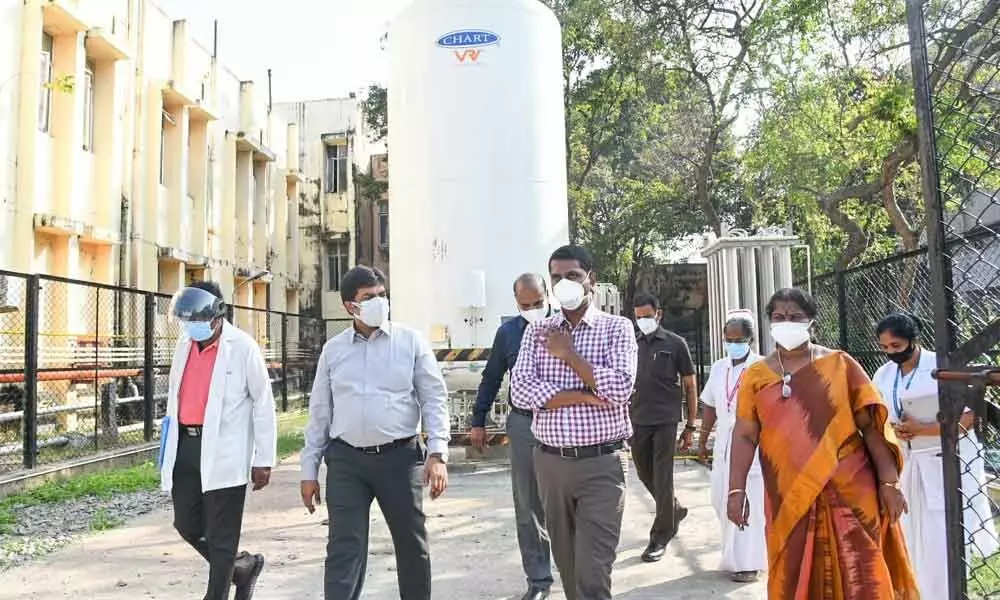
pixel 31 317
pixel 284 362
pixel 148 379
pixel 940 275
pixel 841 280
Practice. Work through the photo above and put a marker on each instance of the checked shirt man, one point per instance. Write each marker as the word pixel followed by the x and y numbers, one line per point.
pixel 576 371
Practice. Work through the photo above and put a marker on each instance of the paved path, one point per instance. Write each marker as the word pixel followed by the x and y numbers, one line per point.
pixel 473 548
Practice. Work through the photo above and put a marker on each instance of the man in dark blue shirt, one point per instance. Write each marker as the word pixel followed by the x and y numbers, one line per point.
pixel 531 294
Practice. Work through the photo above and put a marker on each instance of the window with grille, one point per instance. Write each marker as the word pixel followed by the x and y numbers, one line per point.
pixel 383 224
pixel 88 107
pixel 45 99
pixel 335 175
pixel 337 264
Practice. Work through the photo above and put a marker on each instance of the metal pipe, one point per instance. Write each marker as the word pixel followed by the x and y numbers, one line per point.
pixel 270 99
pixel 230 312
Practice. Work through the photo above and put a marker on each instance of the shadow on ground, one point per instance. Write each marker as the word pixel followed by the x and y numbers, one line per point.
pixel 473 551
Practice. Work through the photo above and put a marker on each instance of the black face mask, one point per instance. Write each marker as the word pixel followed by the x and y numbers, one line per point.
pixel 902 356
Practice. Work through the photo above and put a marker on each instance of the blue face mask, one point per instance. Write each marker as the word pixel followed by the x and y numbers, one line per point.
pixel 199 331
pixel 738 350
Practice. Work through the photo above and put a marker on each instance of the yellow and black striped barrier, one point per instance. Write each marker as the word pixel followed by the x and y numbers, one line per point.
pixel 462 354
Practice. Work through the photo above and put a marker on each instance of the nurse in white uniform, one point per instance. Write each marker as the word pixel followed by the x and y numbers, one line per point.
pixel 744 553
pixel 911 394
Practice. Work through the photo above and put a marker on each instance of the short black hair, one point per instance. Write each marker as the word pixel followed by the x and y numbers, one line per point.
pixel 745 322
pixel 359 277
pixel 532 279
pixel 903 325
pixel 796 296
pixel 645 299
pixel 209 286
pixel 573 252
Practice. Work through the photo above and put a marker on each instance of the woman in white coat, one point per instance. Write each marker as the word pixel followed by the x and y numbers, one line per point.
pixel 744 552
pixel 911 394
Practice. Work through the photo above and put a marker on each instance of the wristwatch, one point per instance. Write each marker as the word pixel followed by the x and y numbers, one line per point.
pixel 442 457
pixel 690 428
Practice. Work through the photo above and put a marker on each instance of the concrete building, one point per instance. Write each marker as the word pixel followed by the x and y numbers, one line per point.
pixel 130 155
pixel 334 152
pixel 373 215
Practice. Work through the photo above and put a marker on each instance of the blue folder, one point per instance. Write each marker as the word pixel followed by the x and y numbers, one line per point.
pixel 164 431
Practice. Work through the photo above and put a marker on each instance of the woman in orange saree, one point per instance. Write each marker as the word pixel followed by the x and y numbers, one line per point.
pixel 830 464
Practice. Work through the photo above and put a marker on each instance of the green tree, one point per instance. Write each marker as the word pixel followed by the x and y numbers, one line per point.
pixel 834 149
pixel 720 50
pixel 375 108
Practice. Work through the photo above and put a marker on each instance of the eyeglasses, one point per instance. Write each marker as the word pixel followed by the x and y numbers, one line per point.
pixel 786 386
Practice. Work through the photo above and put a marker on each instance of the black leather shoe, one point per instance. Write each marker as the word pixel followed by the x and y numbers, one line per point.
pixel 654 552
pixel 248 568
pixel 536 593
pixel 679 515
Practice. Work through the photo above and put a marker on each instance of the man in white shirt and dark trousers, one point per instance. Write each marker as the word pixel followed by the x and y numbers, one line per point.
pixel 218 435
pixel 374 383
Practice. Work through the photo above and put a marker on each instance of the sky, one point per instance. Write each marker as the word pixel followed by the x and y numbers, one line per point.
pixel 314 48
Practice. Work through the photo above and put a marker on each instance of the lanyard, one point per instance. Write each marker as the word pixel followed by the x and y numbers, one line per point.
pixel 731 393
pixel 896 402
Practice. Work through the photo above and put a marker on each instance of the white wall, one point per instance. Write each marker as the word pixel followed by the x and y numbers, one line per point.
pixel 10 62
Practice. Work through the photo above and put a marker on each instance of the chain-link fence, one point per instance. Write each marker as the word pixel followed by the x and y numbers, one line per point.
pixel 953 284
pixel 956 66
pixel 852 302
pixel 77 359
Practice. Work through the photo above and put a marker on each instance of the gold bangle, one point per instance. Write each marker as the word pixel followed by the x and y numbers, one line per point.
pixel 893 484
pixel 734 492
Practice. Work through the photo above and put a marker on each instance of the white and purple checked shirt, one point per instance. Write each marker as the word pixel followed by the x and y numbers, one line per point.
pixel 608 343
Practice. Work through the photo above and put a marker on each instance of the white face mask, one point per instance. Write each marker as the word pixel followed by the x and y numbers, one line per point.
pixel 647 325
pixel 570 294
pixel 373 312
pixel 790 335
pixel 535 314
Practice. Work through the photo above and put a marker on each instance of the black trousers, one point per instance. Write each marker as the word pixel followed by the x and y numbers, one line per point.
pixel 653 448
pixel 211 521
pixel 394 479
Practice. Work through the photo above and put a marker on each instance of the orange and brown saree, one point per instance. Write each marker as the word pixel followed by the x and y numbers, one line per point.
pixel 826 537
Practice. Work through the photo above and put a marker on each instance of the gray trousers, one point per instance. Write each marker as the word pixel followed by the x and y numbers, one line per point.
pixel 584 499
pixel 393 478
pixel 532 539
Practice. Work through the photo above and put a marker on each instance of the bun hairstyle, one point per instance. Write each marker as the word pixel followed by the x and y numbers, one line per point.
pixel 903 325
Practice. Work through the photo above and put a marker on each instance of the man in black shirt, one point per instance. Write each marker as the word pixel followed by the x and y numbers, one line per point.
pixel 664 367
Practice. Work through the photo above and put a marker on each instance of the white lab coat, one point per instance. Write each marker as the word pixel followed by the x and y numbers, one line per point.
pixel 240 429
pixel 922 482
pixel 741 550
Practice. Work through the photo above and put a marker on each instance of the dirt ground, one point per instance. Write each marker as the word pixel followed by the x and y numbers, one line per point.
pixel 473 550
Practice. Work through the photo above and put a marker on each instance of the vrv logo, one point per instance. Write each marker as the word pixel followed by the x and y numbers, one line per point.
pixel 470 55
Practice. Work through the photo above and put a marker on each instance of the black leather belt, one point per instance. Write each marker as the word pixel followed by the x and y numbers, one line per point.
pixel 191 430
pixel 379 449
pixel 522 411
pixel 584 451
